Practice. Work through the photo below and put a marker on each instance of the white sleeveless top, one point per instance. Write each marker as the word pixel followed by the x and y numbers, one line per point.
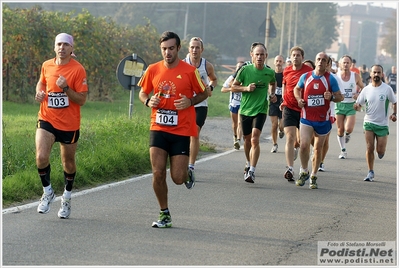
pixel 348 88
pixel 204 76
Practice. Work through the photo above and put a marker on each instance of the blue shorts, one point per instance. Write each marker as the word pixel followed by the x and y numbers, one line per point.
pixel 234 110
pixel 321 128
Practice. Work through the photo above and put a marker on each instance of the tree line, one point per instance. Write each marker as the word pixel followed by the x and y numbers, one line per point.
pixel 28 40
pixel 99 44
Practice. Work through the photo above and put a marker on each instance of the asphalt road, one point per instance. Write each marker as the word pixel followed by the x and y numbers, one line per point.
pixel 223 220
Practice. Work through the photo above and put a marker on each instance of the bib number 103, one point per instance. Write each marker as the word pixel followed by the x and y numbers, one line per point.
pixel 58 100
pixel 166 117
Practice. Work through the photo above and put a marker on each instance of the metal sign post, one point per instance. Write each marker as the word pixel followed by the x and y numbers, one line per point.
pixel 129 72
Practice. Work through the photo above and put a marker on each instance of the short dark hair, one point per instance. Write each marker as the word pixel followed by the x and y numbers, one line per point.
pixel 378 65
pixel 169 35
pixel 311 63
pixel 253 45
pixel 347 56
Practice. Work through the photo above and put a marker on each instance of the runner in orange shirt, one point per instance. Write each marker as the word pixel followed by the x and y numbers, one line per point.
pixel 173 83
pixel 61 91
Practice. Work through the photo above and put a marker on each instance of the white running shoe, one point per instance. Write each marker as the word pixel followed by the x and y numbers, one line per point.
pixel 321 167
pixel 237 144
pixel 45 201
pixel 274 148
pixel 370 176
pixel 296 151
pixel 65 209
pixel 347 138
pixel 342 155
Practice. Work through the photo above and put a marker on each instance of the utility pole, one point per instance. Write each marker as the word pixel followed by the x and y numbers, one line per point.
pixel 296 22
pixel 185 23
pixel 267 30
pixel 289 31
pixel 204 23
pixel 282 31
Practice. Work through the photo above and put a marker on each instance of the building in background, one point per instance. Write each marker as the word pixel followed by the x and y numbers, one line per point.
pixel 361 30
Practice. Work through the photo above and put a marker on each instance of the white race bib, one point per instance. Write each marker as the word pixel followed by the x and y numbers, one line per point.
pixel 279 91
pixel 315 100
pixel 166 117
pixel 348 93
pixel 58 100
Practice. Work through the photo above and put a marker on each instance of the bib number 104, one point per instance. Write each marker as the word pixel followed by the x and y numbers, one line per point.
pixel 166 117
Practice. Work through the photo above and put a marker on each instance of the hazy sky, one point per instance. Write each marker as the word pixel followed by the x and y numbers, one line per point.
pixel 392 4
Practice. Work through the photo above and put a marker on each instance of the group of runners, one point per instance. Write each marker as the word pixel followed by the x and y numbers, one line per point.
pixel 302 101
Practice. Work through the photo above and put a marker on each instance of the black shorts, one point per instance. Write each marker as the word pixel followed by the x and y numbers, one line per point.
pixel 291 117
pixel 67 137
pixel 274 107
pixel 201 114
pixel 171 143
pixel 249 122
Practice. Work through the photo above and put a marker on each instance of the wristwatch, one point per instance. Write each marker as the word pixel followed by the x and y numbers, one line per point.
pixel 65 89
pixel 212 87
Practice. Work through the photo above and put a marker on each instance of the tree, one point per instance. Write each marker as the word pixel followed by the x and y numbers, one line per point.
pixel 100 43
pixel 315 28
pixel 389 42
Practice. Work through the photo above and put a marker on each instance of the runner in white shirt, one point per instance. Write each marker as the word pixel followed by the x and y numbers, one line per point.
pixel 376 97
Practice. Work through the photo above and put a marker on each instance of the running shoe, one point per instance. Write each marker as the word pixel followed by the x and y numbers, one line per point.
pixel 237 144
pixel 303 177
pixel 246 169
pixel 164 221
pixel 275 148
pixel 380 156
pixel 313 183
pixel 347 138
pixel 250 177
pixel 370 176
pixel 296 151
pixel 65 209
pixel 45 201
pixel 342 155
pixel 281 134
pixel 321 167
pixel 191 179
pixel 289 174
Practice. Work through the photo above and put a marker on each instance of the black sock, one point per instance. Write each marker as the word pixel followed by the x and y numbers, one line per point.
pixel 44 174
pixel 69 179
pixel 166 210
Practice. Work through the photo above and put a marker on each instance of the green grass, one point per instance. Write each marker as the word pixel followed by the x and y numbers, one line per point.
pixel 112 146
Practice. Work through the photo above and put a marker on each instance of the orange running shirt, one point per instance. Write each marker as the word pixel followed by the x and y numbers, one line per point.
pixel 354 69
pixel 56 108
pixel 169 84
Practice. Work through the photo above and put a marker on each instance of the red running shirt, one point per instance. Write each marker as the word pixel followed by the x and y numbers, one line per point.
pixel 290 79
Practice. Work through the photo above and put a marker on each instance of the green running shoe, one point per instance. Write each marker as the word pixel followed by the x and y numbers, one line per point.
pixel 313 183
pixel 165 220
pixel 303 177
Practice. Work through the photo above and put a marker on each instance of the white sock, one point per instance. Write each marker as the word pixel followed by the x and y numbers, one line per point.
pixel 67 194
pixel 48 190
pixel 341 142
